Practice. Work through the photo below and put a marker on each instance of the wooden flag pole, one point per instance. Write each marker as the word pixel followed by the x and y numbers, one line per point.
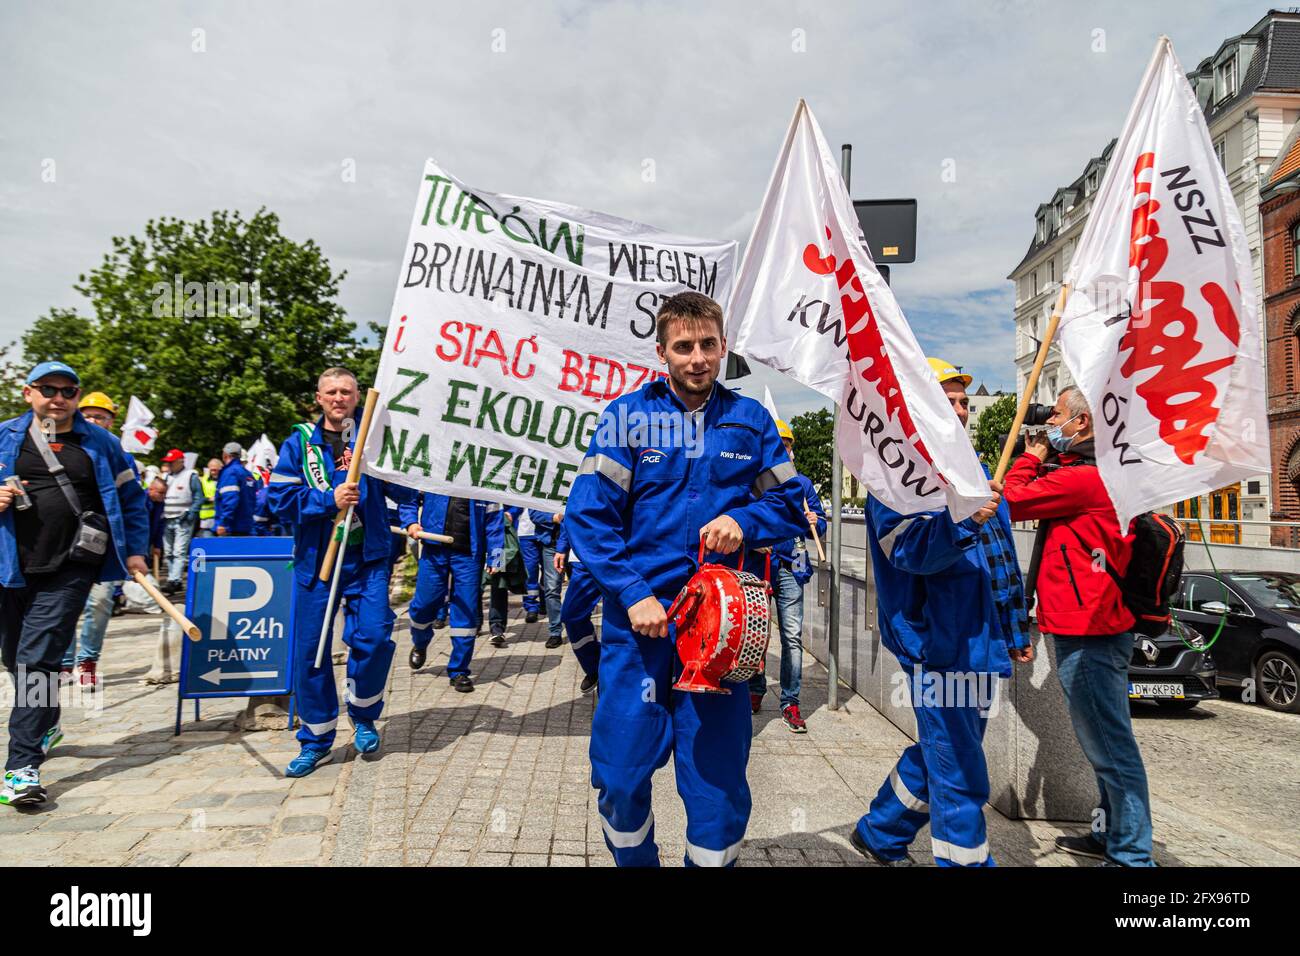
pixel 1032 383
pixel 168 608
pixel 354 475
pixel 821 554
pixel 425 535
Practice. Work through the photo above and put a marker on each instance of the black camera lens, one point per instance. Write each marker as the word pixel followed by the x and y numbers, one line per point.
pixel 1038 414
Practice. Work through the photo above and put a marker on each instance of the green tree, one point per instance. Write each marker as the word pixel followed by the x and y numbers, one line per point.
pixel 995 421
pixel 814 438
pixel 221 326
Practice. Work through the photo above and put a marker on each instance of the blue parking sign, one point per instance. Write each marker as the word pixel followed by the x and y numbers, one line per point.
pixel 240 595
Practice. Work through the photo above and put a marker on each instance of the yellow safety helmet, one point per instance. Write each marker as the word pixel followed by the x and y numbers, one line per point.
pixel 783 430
pixel 947 372
pixel 99 400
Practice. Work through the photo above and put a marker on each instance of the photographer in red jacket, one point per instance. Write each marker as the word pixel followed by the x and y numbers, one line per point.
pixel 1081 607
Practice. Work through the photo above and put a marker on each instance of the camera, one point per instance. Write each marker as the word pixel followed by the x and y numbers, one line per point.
pixel 1037 415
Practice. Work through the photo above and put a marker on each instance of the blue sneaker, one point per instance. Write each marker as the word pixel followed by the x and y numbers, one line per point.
pixel 52 737
pixel 308 759
pixel 365 737
pixel 22 788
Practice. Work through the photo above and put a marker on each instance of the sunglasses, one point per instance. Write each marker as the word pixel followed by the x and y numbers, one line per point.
pixel 67 391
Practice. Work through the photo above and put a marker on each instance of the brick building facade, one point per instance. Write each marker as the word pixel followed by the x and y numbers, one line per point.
pixel 1279 210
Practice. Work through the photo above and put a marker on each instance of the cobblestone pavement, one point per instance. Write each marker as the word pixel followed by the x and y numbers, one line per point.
pixel 499 777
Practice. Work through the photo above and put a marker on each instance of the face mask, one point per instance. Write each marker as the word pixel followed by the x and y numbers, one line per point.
pixel 1058 439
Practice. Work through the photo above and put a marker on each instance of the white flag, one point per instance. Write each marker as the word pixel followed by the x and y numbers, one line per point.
pixel 138 433
pixel 809 302
pixel 1161 329
pixel 263 454
pixel 770 404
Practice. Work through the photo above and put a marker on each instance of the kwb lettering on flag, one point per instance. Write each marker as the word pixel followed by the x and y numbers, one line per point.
pixel 810 303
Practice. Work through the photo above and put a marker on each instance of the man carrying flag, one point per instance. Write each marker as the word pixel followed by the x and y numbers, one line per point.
pixel 952 610
pixel 308 490
pixel 809 302
pixel 1159 328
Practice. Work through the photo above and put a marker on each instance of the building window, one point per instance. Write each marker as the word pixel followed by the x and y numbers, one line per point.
pixel 1221 153
pixel 1034 283
pixel 1252 487
pixel 1042 227
pixel 1090 184
pixel 1295 249
pixel 1051 271
pixel 1225 79
pixel 1059 213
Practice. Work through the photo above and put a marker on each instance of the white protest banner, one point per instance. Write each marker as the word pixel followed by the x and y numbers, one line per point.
pixel 138 433
pixel 1161 327
pixel 809 302
pixel 515 322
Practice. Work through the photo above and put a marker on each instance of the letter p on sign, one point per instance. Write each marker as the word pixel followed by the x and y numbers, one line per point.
pixel 224 604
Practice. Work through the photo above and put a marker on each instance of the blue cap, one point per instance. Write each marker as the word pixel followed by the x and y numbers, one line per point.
pixel 52 368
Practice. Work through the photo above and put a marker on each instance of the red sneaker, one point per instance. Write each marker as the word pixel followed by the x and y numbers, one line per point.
pixel 755 702
pixel 89 677
pixel 793 720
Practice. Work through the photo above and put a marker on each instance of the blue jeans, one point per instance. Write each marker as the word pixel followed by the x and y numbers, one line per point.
pixel 1094 675
pixel 94 624
pixel 37 622
pixel 789 619
pixel 177 533
pixel 550 587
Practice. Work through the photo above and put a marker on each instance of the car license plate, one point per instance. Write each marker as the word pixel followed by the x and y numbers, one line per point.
pixel 1147 691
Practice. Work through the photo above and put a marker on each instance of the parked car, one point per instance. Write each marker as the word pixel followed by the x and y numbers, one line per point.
pixel 1260 642
pixel 1173 669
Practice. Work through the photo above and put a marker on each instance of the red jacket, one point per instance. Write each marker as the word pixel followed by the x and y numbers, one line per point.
pixel 1076 596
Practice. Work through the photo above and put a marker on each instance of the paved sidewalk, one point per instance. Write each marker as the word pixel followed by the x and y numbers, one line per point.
pixel 500 777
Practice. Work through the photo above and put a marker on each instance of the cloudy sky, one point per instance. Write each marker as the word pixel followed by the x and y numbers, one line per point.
pixel 151 109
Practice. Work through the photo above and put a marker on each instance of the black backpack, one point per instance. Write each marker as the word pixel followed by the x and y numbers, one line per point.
pixel 1153 573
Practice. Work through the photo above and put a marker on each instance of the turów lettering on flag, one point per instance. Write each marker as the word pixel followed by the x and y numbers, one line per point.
pixel 1161 327
pixel 516 321
pixel 810 302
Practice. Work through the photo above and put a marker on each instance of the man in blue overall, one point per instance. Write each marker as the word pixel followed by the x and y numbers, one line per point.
pixel 236 501
pixel 679 461
pixel 526 532
pixel 308 490
pixel 477 531
pixel 952 610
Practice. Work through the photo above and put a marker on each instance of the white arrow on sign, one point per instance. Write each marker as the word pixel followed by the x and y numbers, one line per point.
pixel 217 675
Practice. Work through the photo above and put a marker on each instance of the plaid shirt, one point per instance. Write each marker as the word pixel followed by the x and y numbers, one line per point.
pixel 1008 589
